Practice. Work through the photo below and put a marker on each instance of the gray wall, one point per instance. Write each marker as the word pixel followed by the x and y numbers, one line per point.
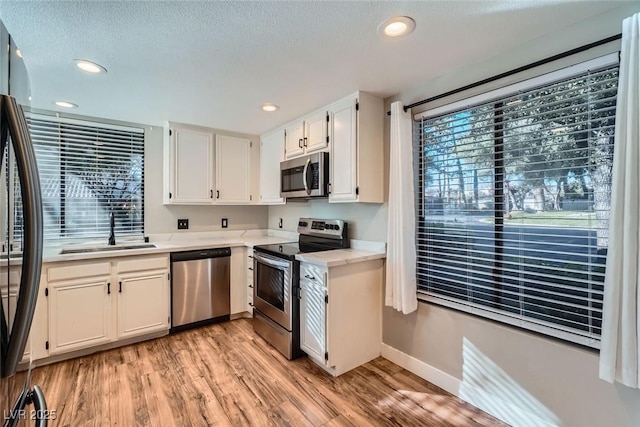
pixel 366 221
pixel 519 374
pixel 163 219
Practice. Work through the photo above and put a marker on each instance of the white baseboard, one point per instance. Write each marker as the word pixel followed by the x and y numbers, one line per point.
pixel 422 369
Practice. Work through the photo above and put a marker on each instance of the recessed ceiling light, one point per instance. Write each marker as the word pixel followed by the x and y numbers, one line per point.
pixel 89 67
pixel 65 104
pixel 18 53
pixel 397 27
pixel 269 107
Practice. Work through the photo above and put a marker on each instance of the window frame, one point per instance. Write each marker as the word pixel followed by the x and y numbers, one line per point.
pixel 500 93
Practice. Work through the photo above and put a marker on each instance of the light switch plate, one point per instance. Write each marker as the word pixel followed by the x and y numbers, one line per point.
pixel 225 222
pixel 183 224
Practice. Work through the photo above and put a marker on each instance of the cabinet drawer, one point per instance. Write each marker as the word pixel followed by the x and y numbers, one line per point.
pixel 140 264
pixel 77 271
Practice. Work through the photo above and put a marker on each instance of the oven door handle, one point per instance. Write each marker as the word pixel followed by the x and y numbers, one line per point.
pixel 270 262
pixel 304 176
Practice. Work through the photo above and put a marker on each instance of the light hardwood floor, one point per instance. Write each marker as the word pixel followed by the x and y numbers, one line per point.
pixel 225 374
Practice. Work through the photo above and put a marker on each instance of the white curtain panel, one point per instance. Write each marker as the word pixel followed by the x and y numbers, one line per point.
pixel 619 354
pixel 400 291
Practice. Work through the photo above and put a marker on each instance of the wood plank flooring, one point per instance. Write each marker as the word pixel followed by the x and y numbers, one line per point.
pixel 226 375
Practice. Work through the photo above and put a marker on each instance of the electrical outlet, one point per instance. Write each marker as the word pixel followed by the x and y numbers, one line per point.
pixel 225 222
pixel 183 224
pixel 280 223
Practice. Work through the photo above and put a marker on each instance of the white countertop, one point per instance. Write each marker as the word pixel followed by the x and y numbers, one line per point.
pixel 175 243
pixel 166 243
pixel 339 257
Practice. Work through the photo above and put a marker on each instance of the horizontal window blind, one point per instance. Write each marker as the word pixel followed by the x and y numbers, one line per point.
pixel 513 211
pixel 87 171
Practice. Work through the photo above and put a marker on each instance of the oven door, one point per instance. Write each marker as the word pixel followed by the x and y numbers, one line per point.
pixel 272 286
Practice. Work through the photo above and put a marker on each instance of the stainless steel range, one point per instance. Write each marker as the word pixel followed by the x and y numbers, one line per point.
pixel 276 278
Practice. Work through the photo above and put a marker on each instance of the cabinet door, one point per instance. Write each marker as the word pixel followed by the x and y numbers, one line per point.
pixel 343 166
pixel 313 320
pixel 191 167
pixel 80 314
pixel 271 154
pixel 143 303
pixel 233 170
pixel 293 140
pixel 315 131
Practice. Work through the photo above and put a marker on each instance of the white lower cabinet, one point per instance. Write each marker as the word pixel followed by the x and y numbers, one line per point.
pixel 95 303
pixel 143 297
pixel 250 281
pixel 313 338
pixel 341 314
pixel 242 282
pixel 80 306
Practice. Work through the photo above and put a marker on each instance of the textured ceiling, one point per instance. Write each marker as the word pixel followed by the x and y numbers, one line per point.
pixel 214 63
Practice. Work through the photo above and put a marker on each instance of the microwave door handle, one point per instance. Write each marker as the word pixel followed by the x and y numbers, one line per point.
pixel 270 262
pixel 304 176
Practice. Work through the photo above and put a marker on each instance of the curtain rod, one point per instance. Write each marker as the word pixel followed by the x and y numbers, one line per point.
pixel 516 70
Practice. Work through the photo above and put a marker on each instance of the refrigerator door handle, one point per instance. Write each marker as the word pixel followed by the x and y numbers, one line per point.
pixel 40 406
pixel 40 413
pixel 15 125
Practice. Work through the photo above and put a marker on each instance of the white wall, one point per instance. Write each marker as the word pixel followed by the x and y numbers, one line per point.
pixel 366 221
pixel 519 374
pixel 163 219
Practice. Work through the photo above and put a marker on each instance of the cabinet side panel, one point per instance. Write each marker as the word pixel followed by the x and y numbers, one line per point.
pixel 271 154
pixel 354 314
pixel 371 175
pixel 238 277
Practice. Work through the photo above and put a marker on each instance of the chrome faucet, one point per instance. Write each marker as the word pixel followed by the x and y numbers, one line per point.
pixel 112 225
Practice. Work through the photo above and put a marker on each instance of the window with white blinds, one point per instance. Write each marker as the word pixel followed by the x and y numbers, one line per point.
pixel 513 205
pixel 88 170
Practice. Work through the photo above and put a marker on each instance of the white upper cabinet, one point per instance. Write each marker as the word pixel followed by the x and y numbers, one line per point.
pixel 190 167
pixel 202 167
pixel 233 170
pixel 306 135
pixel 342 163
pixel 315 131
pixel 293 137
pixel 351 129
pixel 271 154
pixel 356 164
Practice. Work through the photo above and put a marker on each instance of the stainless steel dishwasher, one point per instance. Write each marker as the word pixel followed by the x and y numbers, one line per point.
pixel 199 288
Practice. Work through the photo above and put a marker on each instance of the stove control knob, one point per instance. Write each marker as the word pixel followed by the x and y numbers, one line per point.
pixel 336 227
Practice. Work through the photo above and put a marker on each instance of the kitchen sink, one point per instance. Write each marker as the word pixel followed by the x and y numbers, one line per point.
pixel 105 248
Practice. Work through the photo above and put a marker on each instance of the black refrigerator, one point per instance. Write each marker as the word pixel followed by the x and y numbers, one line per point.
pixel 21 402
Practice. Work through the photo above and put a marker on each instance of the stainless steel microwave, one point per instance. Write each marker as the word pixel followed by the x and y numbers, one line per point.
pixel 305 177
